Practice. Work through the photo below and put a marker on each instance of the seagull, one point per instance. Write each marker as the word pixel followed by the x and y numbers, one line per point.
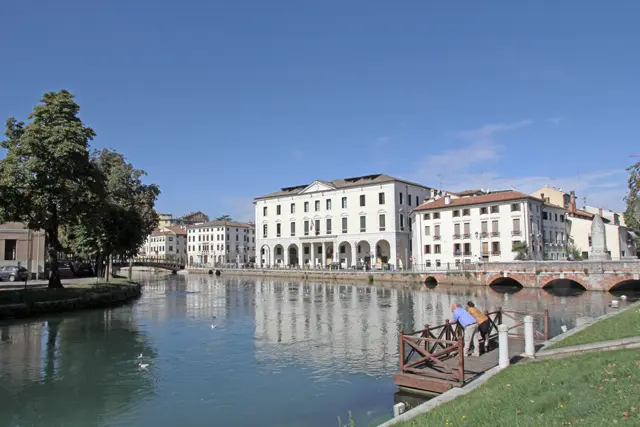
pixel 140 357
pixel 143 365
pixel 214 326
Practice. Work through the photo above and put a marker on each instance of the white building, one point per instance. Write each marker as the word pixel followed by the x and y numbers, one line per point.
pixel 361 220
pixel 489 227
pixel 166 243
pixel 221 242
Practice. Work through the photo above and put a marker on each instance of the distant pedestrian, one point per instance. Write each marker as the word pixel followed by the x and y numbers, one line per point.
pixel 470 327
pixel 483 322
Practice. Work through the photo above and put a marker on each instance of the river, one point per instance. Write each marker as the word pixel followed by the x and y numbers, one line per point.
pixel 234 351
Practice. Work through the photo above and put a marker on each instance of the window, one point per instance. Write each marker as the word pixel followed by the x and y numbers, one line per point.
pixel 495 248
pixel 494 228
pixel 306 206
pixel 556 217
pixel 10 249
pixel 343 249
pixel 306 250
pixel 466 212
pixel 328 204
pixel 456 213
pixel 362 200
pixel 427 249
pixel 456 231
pixel 278 228
pixel 363 224
pixel 381 198
pixel 561 218
pixel 427 230
pixel 264 230
pixel 484 227
pixel 494 209
pixel 436 232
pixel 344 225
pixel 344 203
pixel 264 211
pixel 483 211
pixel 436 249
pixel 293 208
pixel 436 215
pixel 279 250
pixel 426 216
pixel 170 248
pixel 328 226
pixel 306 228
pixel 317 227
pixel 417 201
pixel 401 198
pixel 278 212
pixel 381 220
pixel 456 249
pixel 467 249
pixel 401 222
pixel 317 205
pixel 516 227
pixel 515 207
pixel 545 215
pixel 409 199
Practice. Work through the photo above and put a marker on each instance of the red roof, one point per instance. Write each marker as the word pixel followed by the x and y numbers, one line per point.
pixel 178 230
pixel 476 200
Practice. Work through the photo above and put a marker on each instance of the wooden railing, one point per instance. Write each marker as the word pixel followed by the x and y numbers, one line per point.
pixel 425 351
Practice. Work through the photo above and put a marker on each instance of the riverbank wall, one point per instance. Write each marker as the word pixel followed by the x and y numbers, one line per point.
pixel 37 302
pixel 326 275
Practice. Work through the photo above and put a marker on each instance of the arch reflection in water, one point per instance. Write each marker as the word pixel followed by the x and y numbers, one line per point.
pixel 60 370
pixel 628 288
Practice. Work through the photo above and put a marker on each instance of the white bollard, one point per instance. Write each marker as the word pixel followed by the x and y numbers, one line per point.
pixel 614 304
pixel 398 409
pixel 503 345
pixel 529 343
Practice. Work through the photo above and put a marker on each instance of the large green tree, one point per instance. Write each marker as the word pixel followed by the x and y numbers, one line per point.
pixel 122 212
pixel 47 175
pixel 632 214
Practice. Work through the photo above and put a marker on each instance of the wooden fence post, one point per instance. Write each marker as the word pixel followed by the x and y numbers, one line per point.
pixel 401 351
pixel 546 325
pixel 461 360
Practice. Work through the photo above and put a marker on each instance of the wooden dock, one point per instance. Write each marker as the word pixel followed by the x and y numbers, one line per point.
pixel 432 359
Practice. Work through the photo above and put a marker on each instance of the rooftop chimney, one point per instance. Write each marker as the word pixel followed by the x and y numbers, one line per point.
pixel 600 212
pixel 542 196
pixel 447 199
pixel 572 202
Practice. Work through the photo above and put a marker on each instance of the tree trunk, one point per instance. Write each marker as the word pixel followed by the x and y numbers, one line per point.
pixel 52 252
pixel 130 269
pixel 107 273
pixel 111 266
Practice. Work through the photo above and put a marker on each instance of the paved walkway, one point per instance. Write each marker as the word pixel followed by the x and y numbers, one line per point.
pixel 4 286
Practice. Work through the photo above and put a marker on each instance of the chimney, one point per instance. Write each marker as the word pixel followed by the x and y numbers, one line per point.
pixel 447 199
pixel 542 196
pixel 600 212
pixel 572 202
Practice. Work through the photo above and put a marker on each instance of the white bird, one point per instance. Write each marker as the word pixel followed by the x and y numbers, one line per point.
pixel 143 365
pixel 623 297
pixel 214 326
pixel 140 357
pixel 564 328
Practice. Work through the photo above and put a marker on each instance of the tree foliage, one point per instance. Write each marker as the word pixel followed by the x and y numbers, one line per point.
pixel 47 174
pixel 522 251
pixel 632 214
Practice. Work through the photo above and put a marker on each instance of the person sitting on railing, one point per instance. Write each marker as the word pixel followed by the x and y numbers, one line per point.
pixel 470 327
pixel 482 320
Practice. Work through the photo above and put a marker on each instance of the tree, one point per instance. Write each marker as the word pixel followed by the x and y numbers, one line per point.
pixel 47 174
pixel 573 249
pixel 224 218
pixel 522 251
pixel 632 214
pixel 122 214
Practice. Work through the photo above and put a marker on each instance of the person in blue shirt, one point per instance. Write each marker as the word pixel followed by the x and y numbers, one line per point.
pixel 470 326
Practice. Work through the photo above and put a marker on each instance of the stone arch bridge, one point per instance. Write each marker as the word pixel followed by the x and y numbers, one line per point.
pixel 164 264
pixel 591 275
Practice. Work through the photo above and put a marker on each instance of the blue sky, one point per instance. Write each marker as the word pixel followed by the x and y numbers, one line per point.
pixel 222 101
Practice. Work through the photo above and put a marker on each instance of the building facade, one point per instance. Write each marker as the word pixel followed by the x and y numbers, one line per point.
pixel 166 243
pixel 221 242
pixel 494 227
pixel 20 246
pixel 362 220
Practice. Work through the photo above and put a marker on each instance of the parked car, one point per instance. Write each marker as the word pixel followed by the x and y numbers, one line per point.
pixel 13 273
pixel 81 269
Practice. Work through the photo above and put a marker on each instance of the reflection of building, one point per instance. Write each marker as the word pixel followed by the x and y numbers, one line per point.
pixel 21 357
pixel 354 220
pixel 489 227
pixel 19 246
pixel 220 242
pixel 166 243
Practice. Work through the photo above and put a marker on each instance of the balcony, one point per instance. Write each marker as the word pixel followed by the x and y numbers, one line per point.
pixel 516 233
pixel 277 234
pixel 382 228
pixel 456 236
pixel 436 237
pixel 494 253
pixel 344 231
pixel 466 236
pixel 484 234
pixel 495 234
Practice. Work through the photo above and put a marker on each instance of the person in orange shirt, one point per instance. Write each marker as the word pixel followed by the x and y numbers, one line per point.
pixel 483 322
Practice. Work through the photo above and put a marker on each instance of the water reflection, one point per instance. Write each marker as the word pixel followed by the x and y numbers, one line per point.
pixel 287 353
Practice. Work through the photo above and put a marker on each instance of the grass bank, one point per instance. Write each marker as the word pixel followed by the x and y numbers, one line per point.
pixel 622 325
pixel 18 303
pixel 591 389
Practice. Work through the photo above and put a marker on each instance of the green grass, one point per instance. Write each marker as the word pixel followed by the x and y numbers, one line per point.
pixel 622 325
pixel 41 294
pixel 589 390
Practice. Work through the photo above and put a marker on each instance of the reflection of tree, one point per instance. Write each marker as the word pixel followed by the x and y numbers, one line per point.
pixel 88 372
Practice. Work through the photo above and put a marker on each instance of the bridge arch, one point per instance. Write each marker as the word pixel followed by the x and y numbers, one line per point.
pixel 570 282
pixel 430 282
pixel 626 286
pixel 505 285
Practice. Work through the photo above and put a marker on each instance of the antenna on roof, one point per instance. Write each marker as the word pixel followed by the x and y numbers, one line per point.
pixel 513 187
pixel 440 177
